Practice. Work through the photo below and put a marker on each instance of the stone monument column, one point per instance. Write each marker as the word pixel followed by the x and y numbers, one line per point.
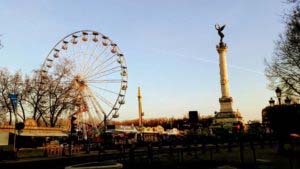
pixel 226 99
pixel 223 70
pixel 226 117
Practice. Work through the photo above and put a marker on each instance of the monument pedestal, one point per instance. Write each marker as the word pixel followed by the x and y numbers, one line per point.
pixel 227 120
pixel 225 104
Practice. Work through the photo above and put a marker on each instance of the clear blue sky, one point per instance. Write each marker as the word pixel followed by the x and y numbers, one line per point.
pixel 169 46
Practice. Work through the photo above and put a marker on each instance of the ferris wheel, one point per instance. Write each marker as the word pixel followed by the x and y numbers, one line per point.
pixel 97 72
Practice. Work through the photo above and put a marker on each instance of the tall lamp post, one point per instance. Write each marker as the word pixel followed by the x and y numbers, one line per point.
pixel 278 94
pixel 272 102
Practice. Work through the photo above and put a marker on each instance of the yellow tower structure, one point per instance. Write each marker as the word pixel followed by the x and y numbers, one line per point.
pixel 141 114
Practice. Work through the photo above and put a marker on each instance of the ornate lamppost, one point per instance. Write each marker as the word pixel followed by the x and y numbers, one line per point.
pixel 272 102
pixel 287 100
pixel 278 94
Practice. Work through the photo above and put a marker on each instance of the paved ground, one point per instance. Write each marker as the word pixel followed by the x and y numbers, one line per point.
pixel 265 158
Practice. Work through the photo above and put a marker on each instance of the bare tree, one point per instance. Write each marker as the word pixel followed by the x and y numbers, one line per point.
pixel 49 95
pixel 10 84
pixel 61 93
pixel 284 68
pixel 33 96
pixel 17 87
pixel 4 88
pixel 43 96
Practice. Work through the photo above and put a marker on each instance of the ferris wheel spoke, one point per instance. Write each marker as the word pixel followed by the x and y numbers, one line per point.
pixel 78 63
pixel 97 57
pixel 73 73
pixel 105 72
pixel 108 65
pixel 66 82
pixel 100 54
pixel 72 50
pixel 103 51
pixel 68 58
pixel 104 100
pixel 106 69
pixel 92 58
pixel 106 56
pixel 103 89
pixel 100 76
pixel 111 69
pixel 95 68
pixel 90 117
pixel 97 110
pixel 86 54
pixel 76 54
pixel 106 53
pixel 88 46
pixel 97 107
pixel 87 102
pixel 78 47
pixel 79 59
pixel 69 52
pixel 82 68
pixel 105 81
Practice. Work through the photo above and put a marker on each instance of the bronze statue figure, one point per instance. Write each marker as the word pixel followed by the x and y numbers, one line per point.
pixel 220 29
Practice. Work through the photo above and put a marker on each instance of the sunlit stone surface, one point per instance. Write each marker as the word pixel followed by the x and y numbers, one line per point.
pixel 226 117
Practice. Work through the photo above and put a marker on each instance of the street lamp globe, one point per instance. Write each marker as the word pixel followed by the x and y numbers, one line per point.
pixel 271 101
pixel 287 100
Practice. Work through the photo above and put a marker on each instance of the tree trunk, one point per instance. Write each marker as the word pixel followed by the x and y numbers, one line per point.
pixel 23 111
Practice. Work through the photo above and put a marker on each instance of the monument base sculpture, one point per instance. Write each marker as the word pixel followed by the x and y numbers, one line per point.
pixel 228 120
